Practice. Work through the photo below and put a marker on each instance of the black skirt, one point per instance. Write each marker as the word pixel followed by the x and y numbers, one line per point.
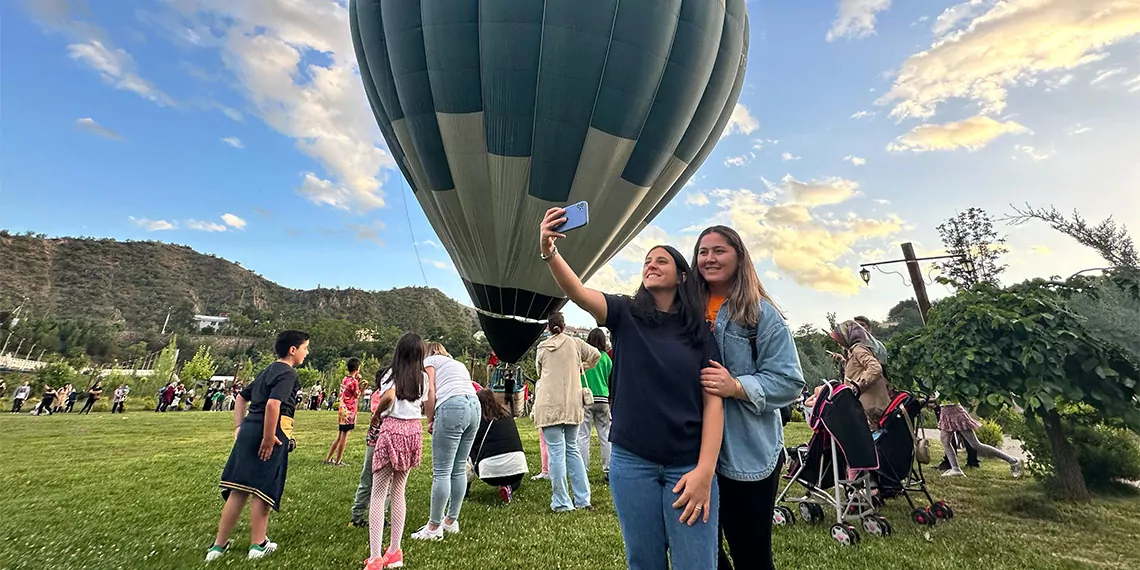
pixel 247 473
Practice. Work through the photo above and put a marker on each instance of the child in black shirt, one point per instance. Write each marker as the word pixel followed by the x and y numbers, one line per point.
pixel 262 441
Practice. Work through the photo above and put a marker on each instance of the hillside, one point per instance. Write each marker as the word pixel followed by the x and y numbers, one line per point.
pixel 132 284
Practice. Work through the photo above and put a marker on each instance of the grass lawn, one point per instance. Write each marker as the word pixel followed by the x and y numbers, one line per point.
pixel 139 491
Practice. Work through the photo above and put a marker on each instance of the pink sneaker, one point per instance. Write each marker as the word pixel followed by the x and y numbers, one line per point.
pixel 505 493
pixel 374 563
pixel 394 559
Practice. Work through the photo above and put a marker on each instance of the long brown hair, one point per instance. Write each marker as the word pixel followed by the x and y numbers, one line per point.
pixel 747 290
pixel 408 367
pixel 492 409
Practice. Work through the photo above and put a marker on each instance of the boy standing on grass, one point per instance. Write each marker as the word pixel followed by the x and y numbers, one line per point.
pixel 258 460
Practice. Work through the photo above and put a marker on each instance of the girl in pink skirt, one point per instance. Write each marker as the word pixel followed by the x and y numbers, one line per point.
pixel 399 447
pixel 955 420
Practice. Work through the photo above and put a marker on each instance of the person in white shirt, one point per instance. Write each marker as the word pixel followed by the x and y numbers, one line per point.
pixel 453 415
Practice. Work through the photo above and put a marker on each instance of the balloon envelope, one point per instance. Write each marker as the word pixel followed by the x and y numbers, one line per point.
pixel 496 110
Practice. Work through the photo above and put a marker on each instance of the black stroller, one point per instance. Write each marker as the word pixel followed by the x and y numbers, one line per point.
pixel 900 473
pixel 840 458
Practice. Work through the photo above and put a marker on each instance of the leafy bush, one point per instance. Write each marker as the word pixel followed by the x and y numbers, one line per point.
pixel 797 416
pixel 990 434
pixel 1104 452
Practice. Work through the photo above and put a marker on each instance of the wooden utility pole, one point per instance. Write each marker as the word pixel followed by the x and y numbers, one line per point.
pixel 916 280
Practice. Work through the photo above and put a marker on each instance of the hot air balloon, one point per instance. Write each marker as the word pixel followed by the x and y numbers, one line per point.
pixel 496 110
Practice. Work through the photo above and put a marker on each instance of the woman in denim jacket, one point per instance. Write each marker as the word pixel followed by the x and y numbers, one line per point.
pixel 760 374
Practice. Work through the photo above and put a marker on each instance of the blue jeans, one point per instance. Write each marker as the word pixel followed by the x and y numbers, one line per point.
pixel 643 497
pixel 562 447
pixel 456 421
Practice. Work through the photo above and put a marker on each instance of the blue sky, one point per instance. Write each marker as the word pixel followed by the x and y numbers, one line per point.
pixel 239 128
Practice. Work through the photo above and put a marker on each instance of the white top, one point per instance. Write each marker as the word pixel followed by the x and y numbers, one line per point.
pixel 451 378
pixel 403 409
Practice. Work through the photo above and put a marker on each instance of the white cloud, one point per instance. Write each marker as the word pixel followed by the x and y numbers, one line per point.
pixel 856 18
pixel 230 112
pixel 741 122
pixel 881 201
pixel 855 160
pixel 822 192
pixel 1101 76
pixel 320 191
pixel 759 144
pixel 202 226
pixel 863 115
pixel 117 68
pixel 233 221
pixel 439 264
pixel 152 225
pixel 954 15
pixel 737 160
pixel 88 124
pixel 697 199
pixel 294 63
pixel 431 243
pixel 1078 129
pixel 788 157
pixel 971 134
pixel 233 141
pixel 1032 152
pixel 1012 43
pixel 1133 84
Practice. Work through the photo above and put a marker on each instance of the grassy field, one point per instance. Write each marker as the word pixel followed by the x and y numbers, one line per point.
pixel 139 491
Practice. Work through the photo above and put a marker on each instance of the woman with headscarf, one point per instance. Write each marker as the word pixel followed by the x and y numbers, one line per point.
pixel 862 369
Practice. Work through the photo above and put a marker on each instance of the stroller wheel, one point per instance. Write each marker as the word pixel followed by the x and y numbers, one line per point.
pixel 942 510
pixel 930 516
pixel 816 513
pixel 845 534
pixel 874 526
pixel 807 514
pixel 782 516
pixel 919 516
pixel 887 528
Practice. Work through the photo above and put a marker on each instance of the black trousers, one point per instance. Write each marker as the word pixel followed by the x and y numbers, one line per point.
pixel 746 521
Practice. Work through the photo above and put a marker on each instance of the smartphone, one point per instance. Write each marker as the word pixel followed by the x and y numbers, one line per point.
pixel 577 215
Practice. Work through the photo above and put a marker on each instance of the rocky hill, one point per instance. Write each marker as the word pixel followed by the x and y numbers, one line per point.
pixel 133 284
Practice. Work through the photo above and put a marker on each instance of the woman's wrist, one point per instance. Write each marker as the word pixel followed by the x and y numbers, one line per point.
pixel 739 394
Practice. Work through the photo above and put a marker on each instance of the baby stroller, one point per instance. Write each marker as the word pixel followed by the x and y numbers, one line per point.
pixel 840 458
pixel 899 472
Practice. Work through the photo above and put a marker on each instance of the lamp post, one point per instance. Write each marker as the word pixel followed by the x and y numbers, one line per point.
pixel 915 273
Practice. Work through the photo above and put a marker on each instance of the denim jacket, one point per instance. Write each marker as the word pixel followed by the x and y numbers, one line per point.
pixel 753 432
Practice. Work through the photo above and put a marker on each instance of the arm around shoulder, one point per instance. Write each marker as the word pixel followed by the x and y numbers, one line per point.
pixel 779 378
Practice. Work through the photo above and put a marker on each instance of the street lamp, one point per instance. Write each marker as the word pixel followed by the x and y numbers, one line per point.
pixel 865 275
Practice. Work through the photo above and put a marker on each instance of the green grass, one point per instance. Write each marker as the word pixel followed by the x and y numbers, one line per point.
pixel 139 490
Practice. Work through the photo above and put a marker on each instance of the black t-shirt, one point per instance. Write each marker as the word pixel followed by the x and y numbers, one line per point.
pixel 277 382
pixel 655 387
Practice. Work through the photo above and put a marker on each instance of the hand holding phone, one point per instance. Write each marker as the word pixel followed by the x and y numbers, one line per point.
pixel 577 216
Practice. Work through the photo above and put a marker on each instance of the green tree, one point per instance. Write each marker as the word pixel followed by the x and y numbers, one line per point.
pixel 971 236
pixel 308 376
pixel 902 318
pixel 1023 345
pixel 56 374
pixel 1111 241
pixel 200 368
pixel 165 365
pixel 817 365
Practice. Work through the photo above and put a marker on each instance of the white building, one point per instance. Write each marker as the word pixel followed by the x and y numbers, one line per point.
pixel 204 321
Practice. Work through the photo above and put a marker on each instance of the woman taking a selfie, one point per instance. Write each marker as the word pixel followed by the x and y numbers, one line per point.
pixel 666 430
pixel 759 375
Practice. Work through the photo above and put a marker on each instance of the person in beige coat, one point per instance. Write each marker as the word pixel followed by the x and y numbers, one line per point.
pixel 558 411
pixel 862 369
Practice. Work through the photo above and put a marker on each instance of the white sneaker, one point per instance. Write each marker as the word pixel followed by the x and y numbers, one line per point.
pixel 453 528
pixel 540 476
pixel 954 473
pixel 257 551
pixel 426 533
pixel 215 552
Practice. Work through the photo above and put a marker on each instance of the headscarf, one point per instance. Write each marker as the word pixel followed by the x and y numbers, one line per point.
pixel 849 334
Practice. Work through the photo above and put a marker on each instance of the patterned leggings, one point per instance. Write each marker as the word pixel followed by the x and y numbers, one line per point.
pixel 382 481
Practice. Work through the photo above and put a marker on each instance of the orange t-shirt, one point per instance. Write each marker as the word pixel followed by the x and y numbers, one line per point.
pixel 715 301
